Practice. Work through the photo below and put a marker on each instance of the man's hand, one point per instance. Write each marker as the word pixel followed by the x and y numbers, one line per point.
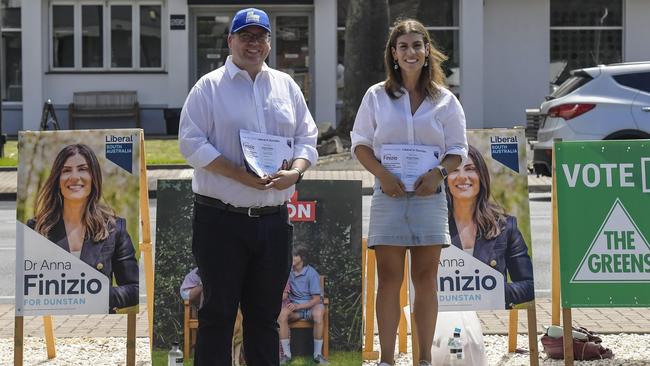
pixel 292 306
pixel 225 167
pixel 283 179
pixel 250 180
pixel 391 185
pixel 428 183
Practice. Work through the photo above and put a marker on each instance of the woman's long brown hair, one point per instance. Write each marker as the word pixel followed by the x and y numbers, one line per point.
pixel 97 218
pixel 432 77
pixel 489 217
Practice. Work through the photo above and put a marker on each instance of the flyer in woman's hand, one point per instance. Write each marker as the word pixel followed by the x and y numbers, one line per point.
pixel 409 162
pixel 265 154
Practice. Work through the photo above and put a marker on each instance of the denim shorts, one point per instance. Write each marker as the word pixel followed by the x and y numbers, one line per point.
pixel 408 221
pixel 305 314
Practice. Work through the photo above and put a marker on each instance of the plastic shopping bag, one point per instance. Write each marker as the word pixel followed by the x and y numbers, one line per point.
pixel 471 336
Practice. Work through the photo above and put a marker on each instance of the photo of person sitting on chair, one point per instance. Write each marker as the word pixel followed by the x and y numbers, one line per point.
pixel 305 303
pixel 192 290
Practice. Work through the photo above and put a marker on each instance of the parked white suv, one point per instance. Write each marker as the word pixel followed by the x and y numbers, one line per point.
pixel 598 103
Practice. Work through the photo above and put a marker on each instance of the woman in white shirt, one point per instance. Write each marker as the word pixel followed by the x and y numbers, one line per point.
pixel 410 109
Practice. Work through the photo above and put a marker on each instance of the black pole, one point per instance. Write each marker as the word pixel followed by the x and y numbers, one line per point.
pixel 3 137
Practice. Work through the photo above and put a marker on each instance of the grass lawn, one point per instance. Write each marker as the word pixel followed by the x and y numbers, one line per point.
pixel 159 358
pixel 336 359
pixel 158 152
pixel 163 152
pixel 10 157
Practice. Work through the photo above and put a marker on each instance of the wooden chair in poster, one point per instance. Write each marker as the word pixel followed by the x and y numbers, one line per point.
pixel 190 327
pixel 300 324
pixel 191 324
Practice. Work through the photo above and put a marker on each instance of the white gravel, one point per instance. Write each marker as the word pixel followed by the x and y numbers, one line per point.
pixel 629 350
pixel 76 352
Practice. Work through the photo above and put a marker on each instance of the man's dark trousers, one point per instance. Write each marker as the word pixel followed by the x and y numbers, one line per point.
pixel 245 260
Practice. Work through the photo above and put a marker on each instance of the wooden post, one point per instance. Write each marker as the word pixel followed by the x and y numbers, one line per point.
pixel 512 330
pixel 532 334
pixel 49 336
pixel 403 301
pixel 186 329
pixel 555 251
pixel 145 245
pixel 568 336
pixel 364 254
pixel 368 352
pixel 18 341
pixel 415 348
pixel 326 340
pixel 130 339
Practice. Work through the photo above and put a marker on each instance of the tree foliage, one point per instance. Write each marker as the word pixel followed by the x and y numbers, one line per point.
pixel 173 259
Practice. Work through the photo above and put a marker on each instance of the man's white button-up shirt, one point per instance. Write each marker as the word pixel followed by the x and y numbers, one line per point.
pixel 227 100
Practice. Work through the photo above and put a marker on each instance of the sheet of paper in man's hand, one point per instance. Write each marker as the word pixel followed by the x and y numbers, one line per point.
pixel 265 154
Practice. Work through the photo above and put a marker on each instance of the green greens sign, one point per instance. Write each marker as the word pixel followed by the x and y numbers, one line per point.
pixel 603 196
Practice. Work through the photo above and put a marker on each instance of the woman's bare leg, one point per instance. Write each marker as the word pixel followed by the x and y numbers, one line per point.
pixel 424 270
pixel 390 272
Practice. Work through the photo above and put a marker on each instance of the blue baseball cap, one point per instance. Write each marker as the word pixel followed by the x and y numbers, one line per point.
pixel 250 16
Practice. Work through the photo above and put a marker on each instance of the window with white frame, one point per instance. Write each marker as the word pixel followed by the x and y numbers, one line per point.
pixel 440 17
pixel 106 35
pixel 584 34
pixel 11 49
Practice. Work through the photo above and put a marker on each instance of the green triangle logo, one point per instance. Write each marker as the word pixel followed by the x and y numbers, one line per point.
pixel 618 254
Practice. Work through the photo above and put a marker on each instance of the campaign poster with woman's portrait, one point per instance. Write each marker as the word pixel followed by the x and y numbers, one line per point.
pixel 488 265
pixel 77 211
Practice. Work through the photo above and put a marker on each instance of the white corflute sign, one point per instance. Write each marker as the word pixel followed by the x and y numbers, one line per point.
pixel 619 252
pixel 466 283
pixel 51 281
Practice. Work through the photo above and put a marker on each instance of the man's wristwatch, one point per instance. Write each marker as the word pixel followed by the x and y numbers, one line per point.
pixel 300 174
pixel 443 171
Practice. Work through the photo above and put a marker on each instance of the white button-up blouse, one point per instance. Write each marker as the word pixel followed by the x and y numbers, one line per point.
pixel 437 122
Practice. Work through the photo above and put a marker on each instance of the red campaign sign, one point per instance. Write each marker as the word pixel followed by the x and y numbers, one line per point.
pixel 301 210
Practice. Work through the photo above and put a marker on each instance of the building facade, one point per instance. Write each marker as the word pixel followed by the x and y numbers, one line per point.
pixel 504 55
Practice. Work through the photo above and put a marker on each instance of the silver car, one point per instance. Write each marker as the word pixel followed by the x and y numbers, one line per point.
pixel 606 102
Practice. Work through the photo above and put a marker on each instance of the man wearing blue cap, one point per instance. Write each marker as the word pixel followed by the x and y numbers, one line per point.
pixel 241 231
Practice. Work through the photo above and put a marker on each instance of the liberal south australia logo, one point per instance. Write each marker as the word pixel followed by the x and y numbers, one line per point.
pixel 618 254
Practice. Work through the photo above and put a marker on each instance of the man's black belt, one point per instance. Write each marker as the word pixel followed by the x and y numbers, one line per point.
pixel 249 211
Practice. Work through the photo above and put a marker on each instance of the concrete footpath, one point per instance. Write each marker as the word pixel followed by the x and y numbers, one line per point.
pixel 603 321
pixel 630 320
pixel 8 181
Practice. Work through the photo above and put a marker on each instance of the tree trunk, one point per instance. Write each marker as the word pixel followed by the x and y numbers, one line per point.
pixel 366 32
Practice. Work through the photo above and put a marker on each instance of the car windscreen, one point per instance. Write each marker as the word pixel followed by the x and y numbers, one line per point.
pixel 571 84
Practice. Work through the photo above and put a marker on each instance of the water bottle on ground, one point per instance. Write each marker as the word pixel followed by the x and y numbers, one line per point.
pixel 175 356
pixel 456 357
